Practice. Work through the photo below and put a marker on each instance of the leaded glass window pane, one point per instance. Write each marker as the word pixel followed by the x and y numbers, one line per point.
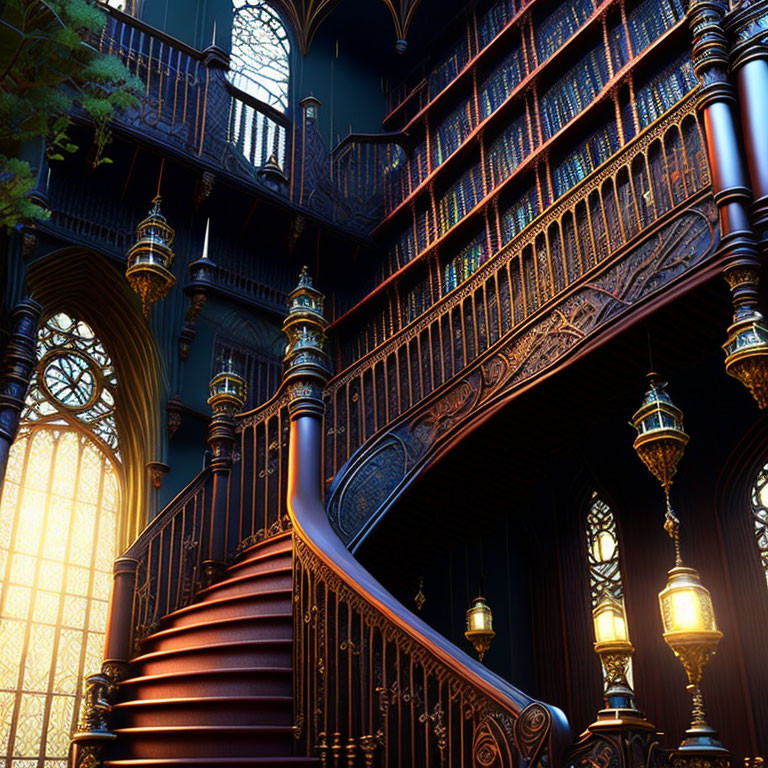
pixel 605 580
pixel 760 516
pixel 260 56
pixel 58 527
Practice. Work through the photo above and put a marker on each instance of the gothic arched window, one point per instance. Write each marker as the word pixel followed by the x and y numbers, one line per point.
pixel 260 57
pixel 605 581
pixel 760 515
pixel 58 515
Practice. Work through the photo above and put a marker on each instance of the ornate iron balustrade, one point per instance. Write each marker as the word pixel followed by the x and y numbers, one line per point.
pixel 189 107
pixel 373 687
pixel 168 557
pixel 636 224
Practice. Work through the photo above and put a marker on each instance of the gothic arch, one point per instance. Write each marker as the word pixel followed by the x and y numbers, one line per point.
pixel 88 285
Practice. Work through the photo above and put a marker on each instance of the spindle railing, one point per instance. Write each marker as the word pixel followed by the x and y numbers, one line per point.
pixel 374 685
pixel 189 106
pixel 399 359
pixel 168 557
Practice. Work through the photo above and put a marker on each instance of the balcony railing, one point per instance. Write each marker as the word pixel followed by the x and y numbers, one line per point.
pixel 189 107
pixel 612 241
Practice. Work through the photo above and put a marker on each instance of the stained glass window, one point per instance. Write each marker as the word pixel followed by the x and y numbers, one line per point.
pixel 260 56
pixel 603 556
pixel 760 515
pixel 58 515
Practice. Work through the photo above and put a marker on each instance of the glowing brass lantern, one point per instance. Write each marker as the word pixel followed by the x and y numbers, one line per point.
pixel 150 259
pixel 480 626
pixel 746 355
pixel 660 440
pixel 228 390
pixel 690 630
pixel 613 647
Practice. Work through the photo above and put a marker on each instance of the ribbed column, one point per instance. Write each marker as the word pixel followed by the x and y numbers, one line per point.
pixel 747 29
pixel 17 367
pixel 747 346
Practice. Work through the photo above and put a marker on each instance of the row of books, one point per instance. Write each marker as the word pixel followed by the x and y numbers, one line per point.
pixel 508 151
pixel 664 90
pixel 573 92
pixel 452 132
pixel 650 19
pixel 425 230
pixel 590 153
pixel 495 19
pixel 499 84
pixel 459 200
pixel 516 217
pixel 449 67
pixel 556 27
pixel 415 302
pixel 465 263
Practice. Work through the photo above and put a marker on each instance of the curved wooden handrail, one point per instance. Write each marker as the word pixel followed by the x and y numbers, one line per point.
pixel 166 515
pixel 549 728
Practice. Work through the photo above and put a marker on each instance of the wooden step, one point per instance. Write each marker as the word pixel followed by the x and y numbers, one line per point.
pixel 262 561
pixel 281 543
pixel 209 741
pixel 212 656
pixel 219 710
pixel 248 584
pixel 262 604
pixel 235 681
pixel 276 626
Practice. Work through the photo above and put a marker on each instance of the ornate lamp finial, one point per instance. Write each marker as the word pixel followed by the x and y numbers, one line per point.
pixel 150 258
pixel 305 364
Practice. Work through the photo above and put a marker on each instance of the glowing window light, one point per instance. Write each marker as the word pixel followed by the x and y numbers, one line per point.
pixel 58 514
pixel 605 580
pixel 260 55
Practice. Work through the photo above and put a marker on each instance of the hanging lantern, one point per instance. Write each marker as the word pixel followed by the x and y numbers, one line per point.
pixel 660 440
pixel 690 630
pixel 480 626
pixel 746 356
pixel 228 390
pixel 150 259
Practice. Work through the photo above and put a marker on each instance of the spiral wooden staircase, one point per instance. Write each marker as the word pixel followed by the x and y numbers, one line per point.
pixel 212 687
pixel 242 629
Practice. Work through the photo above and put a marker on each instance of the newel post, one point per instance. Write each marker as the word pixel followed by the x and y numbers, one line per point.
pixel 93 729
pixel 306 370
pixel 18 364
pixel 228 395
pixel 746 349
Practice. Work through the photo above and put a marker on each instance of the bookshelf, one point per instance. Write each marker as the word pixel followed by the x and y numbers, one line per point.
pixel 503 131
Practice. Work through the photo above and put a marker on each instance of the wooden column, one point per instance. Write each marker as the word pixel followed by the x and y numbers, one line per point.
pixel 18 364
pixel 749 66
pixel 747 345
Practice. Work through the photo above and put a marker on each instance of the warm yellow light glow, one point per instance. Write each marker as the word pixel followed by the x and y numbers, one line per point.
pixel 479 617
pixel 686 611
pixel 610 622
pixel 57 544
pixel 603 547
pixel 686 606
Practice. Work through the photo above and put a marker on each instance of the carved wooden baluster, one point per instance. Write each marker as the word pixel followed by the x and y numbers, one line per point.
pixel 336 750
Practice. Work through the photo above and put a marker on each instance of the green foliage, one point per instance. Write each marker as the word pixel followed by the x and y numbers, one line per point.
pixel 48 68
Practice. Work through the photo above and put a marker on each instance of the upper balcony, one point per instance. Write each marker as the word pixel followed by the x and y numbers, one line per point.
pixel 189 109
